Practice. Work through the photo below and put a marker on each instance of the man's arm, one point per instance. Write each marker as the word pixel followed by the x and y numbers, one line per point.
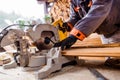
pixel 74 17
pixel 96 15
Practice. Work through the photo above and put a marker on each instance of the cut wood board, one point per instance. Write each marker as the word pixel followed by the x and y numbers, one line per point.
pixel 93 39
pixel 93 52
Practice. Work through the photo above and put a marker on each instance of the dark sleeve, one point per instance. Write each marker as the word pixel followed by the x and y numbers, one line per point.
pixel 74 17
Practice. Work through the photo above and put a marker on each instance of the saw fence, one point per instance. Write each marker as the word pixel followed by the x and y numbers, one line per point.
pixel 92 47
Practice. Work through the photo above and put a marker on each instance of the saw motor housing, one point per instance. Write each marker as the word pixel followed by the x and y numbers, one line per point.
pixel 31 44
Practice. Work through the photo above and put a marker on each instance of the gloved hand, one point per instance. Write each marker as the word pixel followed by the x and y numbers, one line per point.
pixel 66 43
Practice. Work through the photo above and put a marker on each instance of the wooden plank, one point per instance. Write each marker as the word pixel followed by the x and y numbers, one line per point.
pixel 98 45
pixel 93 52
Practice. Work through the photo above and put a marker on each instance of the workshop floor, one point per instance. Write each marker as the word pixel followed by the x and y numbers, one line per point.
pixel 81 72
pixel 76 72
